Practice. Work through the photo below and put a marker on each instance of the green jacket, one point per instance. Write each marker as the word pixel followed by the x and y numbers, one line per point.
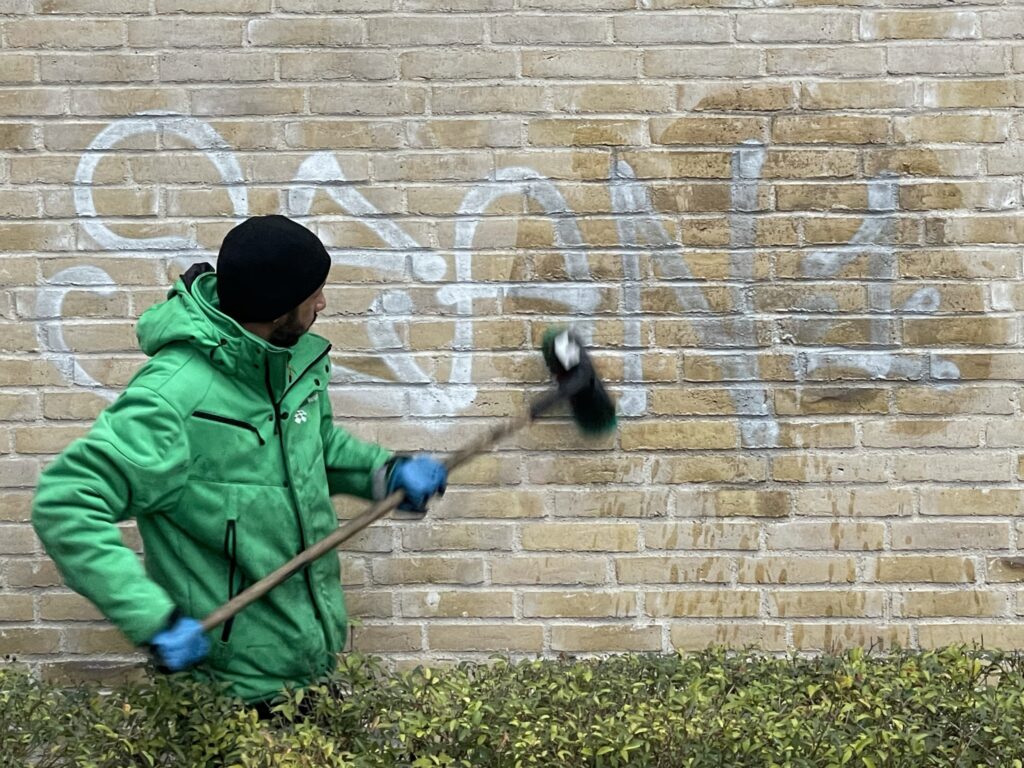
pixel 224 450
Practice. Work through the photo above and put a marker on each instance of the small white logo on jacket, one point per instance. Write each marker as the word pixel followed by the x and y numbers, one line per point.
pixel 300 417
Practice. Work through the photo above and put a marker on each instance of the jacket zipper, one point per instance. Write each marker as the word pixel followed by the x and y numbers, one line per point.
pixel 284 459
pixel 231 553
pixel 232 422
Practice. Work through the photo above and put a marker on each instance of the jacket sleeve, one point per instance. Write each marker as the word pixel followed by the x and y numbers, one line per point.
pixel 354 467
pixel 133 461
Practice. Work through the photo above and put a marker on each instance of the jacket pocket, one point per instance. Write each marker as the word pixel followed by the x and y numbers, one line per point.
pixel 206 415
pixel 231 555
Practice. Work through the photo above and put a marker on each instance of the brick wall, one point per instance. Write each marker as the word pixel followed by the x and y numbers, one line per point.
pixel 790 227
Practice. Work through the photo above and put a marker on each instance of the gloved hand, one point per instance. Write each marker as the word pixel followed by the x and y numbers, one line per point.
pixel 181 645
pixel 420 477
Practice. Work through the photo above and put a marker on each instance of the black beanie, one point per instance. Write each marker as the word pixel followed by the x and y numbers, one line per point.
pixel 267 266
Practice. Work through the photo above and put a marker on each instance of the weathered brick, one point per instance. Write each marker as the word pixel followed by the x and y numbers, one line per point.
pixel 668 569
pixel 827 536
pixel 519 637
pixel 724 535
pixel 797 570
pixel 547 29
pixel 579 605
pixel 804 603
pixel 959 603
pixel 704 603
pixel 605 637
pixel 698 636
pixel 925 535
pixel 836 638
pixel 453 604
pixel 853 502
pixel 428 570
pixel 932 569
pixel 551 569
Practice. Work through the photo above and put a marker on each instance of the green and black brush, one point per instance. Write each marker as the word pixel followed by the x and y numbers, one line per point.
pixel 577 383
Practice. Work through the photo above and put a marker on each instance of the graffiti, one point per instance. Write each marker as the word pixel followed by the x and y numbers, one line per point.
pixel 640 230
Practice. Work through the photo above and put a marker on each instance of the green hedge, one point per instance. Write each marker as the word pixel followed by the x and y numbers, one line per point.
pixel 954 707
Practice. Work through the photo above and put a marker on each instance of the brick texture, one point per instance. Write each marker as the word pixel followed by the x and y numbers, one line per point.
pixel 791 230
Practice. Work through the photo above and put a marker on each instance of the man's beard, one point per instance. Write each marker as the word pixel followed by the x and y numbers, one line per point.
pixel 290 331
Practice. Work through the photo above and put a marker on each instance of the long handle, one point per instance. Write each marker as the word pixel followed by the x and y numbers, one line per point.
pixel 373 513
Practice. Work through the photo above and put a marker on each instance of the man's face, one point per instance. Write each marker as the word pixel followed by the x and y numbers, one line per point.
pixel 291 327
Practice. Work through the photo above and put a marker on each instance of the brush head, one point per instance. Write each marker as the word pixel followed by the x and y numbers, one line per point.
pixel 567 359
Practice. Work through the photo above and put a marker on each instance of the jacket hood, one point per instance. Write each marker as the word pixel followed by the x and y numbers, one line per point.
pixel 191 315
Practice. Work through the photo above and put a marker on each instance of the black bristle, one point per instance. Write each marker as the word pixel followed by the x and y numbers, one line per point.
pixel 592 409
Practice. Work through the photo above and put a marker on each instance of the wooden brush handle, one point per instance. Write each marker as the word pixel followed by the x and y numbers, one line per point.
pixel 373 513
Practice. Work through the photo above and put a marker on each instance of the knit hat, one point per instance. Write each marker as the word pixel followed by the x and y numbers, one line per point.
pixel 267 266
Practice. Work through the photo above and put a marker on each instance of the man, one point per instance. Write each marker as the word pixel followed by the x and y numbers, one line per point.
pixel 224 450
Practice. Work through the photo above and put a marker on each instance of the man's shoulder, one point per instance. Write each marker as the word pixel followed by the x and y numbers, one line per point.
pixel 179 374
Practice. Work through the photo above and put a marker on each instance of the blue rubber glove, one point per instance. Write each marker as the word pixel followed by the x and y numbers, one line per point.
pixel 180 646
pixel 420 477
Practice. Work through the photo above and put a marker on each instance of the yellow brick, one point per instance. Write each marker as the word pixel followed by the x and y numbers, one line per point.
pixel 670 569
pixel 853 502
pixel 706 402
pixel 821 197
pixel 690 434
pixel 806 603
pixel 704 603
pixel 18 473
pixel 317 31
pixel 462 536
pixel 447 99
pixel 966 93
pixel 632 99
pixel 247 101
pixel 733 503
pixel 990 635
pixel 971 501
pixel 50 439
pixel 522 638
pixel 609 503
pixel 370 638
pixel 605 637
pixel 930 569
pixel 954 400
pixel 827 536
pixel 926 25
pixel 57 33
pixel 703 469
pixel 17 68
pixel 950 535
pixel 24 573
pixel 366 604
pixel 958 603
pixel 572 470
pixel 953 264
pixel 15 506
pixel 95 640
pixel 858 94
pixel 16 607
pixel 579 605
pixel 842 60
pixel 922 162
pixel 471 64
pixel 549 569
pixel 830 400
pixel 580 537
pixel 560 63
pixel 437 134
pixel 836 638
pixel 680 164
pixel 952 128
pixel 584 132
pixel 707 130
pixel 67 607
pixel 360 99
pixel 523 29
pixel 451 604
pixel 953 59
pixel 747 97
pixel 831 129
pixel 427 570
pixel 185 32
pixel 952 467
pixel 701 62
pixel 1000 570
pixel 797 570
pixel 698 636
pixel 22 641
pixel 725 535
pixel 920 433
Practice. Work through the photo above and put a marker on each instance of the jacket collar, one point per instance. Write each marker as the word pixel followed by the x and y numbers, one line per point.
pixel 247 356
